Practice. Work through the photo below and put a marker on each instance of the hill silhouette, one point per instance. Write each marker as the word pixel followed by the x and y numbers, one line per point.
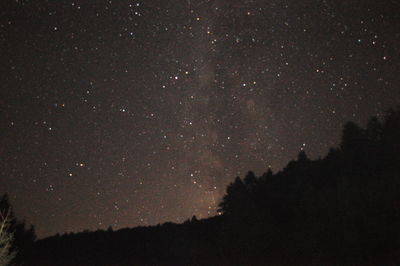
pixel 340 209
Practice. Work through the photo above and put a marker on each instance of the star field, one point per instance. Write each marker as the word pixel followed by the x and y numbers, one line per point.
pixel 127 113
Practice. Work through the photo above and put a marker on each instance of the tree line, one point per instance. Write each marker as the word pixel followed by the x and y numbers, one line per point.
pixel 345 204
pixel 342 208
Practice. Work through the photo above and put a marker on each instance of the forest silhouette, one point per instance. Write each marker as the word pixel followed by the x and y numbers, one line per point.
pixel 340 209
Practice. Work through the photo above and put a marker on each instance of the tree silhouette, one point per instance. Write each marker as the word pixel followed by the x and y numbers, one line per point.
pixel 23 238
pixel 352 137
pixel 6 239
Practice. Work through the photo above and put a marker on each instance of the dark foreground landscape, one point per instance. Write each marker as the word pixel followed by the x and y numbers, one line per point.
pixel 343 209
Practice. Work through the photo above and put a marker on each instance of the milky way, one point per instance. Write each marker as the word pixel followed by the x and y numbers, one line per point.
pixel 126 113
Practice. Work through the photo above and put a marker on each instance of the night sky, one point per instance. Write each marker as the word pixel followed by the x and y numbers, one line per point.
pixel 125 113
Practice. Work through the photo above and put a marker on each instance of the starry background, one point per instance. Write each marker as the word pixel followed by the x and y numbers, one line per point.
pixel 126 113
